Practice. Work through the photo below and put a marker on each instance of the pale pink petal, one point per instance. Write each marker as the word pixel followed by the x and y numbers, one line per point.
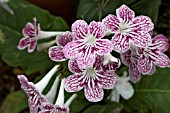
pixel 120 42
pixel 124 13
pixel 134 73
pixel 71 49
pixel 65 38
pixel 160 42
pixel 108 80
pixel 126 57
pixel 94 93
pixel 143 23
pixel 56 54
pixel 112 23
pixel 161 60
pixel 144 64
pixel 103 46
pixel 97 29
pixel 140 39
pixel 86 59
pixel 74 83
pixel 80 28
pixel 73 66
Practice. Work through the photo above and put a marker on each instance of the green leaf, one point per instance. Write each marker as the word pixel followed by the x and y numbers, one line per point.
pixel 11 29
pixel 14 103
pixel 108 108
pixel 78 105
pixel 147 7
pixel 152 93
pixel 90 9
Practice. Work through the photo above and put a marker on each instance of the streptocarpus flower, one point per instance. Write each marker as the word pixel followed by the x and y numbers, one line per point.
pixel 93 79
pixel 123 88
pixel 88 43
pixel 59 106
pixel 38 100
pixel 110 62
pixel 3 3
pixel 128 29
pixel 129 58
pixel 34 91
pixel 153 54
pixel 32 32
pixel 56 52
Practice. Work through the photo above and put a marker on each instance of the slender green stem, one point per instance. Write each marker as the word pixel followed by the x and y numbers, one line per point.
pixel 101 6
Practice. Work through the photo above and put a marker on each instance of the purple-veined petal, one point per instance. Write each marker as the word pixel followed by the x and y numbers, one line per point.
pixel 23 43
pixel 29 30
pixel 27 42
pixel 86 59
pixel 161 60
pixel 73 66
pixel 93 93
pixel 98 64
pixel 50 108
pixel 74 83
pixel 143 23
pixel 153 70
pixel 126 57
pixel 33 107
pixel 112 66
pixel 108 79
pixel 124 13
pixel 134 73
pixel 32 46
pixel 103 46
pixel 120 43
pixel 140 50
pixel 65 38
pixel 144 64
pixel 140 39
pixel 56 54
pixel 160 42
pixel 97 29
pixel 71 49
pixel 111 22
pixel 35 98
pixel 46 106
pixel 80 28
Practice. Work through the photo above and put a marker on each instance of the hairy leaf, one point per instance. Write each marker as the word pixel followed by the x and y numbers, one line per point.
pixel 14 103
pixel 152 93
pixel 11 27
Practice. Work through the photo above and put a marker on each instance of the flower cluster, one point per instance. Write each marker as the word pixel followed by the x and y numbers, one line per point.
pixel 45 102
pixel 89 55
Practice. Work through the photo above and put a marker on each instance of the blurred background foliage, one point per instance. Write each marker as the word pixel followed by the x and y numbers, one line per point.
pixel 152 93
